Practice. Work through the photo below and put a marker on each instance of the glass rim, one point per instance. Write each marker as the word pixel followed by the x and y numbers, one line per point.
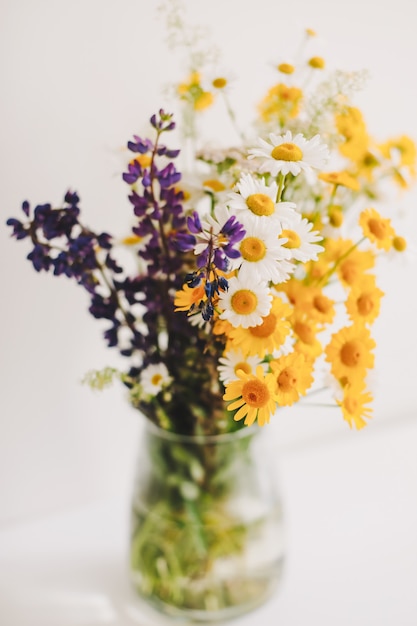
pixel 246 431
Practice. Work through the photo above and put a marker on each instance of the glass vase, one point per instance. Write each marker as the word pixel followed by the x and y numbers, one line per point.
pixel 207 540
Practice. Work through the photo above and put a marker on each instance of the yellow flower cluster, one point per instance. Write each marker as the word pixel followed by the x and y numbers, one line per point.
pixel 275 361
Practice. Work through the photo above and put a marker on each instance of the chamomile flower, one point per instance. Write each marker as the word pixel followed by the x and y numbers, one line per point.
pixel 245 303
pixel 263 255
pixel 302 240
pixel 255 199
pixel 154 378
pixel 235 360
pixel 286 154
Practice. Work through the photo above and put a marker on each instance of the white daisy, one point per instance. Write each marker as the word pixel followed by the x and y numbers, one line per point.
pixel 290 155
pixel 255 199
pixel 301 242
pixel 235 360
pixel 154 377
pixel 245 303
pixel 264 256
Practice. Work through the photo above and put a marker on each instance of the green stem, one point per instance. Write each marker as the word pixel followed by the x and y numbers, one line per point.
pixel 281 180
pixel 326 276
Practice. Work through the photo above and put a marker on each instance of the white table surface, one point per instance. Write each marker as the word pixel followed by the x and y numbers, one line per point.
pixel 351 509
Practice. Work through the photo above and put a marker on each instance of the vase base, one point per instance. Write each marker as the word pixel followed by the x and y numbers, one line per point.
pixel 258 591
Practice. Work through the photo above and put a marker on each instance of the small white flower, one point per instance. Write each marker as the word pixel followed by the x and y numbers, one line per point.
pixel 255 199
pixel 264 256
pixel 286 154
pixel 245 303
pixel 235 360
pixel 301 242
pixel 154 377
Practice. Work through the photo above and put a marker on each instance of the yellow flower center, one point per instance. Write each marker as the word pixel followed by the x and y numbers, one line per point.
pixel 322 304
pixel 260 204
pixel 286 68
pixel 317 63
pixel 378 228
pixel 219 83
pixel 351 353
pixel 156 379
pixel 244 302
pixel 287 152
pixel 287 379
pixel 243 366
pixel 214 185
pixel 266 328
pixel 365 304
pixel 255 393
pixel 349 271
pixel 399 243
pixel 294 240
pixel 252 249
pixel 304 332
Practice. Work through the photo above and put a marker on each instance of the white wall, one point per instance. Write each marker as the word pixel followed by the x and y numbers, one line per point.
pixel 78 79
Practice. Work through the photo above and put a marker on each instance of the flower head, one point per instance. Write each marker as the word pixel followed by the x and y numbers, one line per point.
pixel 252 397
pixel 154 378
pixel 293 376
pixel 245 303
pixel 286 154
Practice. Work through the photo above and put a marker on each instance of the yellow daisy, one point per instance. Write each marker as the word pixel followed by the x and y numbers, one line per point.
pixel 252 397
pixel 269 335
pixel 187 296
pixel 294 290
pixel 305 333
pixel 353 406
pixel 404 146
pixel 317 306
pixel 363 302
pixel 280 103
pixel 356 262
pixel 378 229
pixel 340 179
pixel 293 376
pixel 349 353
pixel 350 124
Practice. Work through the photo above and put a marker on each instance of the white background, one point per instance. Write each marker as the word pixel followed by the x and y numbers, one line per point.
pixel 77 80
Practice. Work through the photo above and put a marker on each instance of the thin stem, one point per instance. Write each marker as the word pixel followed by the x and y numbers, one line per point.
pixel 281 180
pixel 232 116
pixel 327 275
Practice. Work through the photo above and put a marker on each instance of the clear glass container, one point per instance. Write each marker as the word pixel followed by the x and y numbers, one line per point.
pixel 207 540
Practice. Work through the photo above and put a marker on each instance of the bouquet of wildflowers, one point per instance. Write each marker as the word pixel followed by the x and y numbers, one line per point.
pixel 253 285
pixel 254 281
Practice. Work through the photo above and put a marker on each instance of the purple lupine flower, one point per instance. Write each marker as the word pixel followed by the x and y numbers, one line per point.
pixel 140 145
pixel 19 229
